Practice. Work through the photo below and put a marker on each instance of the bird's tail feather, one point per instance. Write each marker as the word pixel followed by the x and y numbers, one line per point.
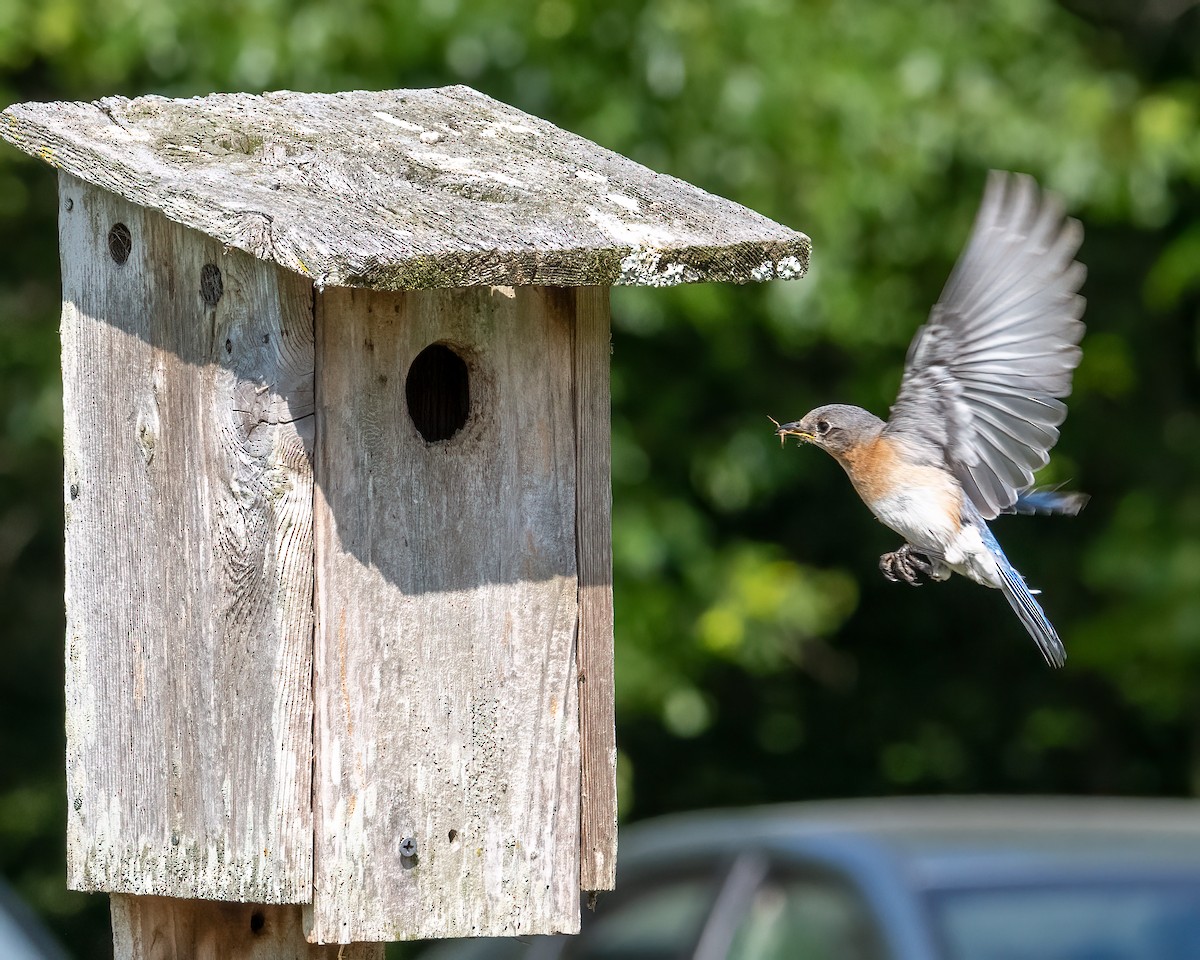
pixel 1031 614
pixel 1049 501
pixel 1021 599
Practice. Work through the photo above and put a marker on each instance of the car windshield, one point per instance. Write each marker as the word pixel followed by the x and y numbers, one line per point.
pixel 1152 920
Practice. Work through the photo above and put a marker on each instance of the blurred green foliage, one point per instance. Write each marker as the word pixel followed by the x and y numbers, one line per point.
pixel 760 654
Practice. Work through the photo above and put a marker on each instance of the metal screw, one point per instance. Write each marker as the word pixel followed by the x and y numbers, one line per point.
pixel 408 847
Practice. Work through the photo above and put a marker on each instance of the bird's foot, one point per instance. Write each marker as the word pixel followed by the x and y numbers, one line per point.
pixel 907 565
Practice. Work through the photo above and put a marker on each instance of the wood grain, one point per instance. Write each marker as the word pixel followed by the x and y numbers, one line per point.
pixel 593 524
pixel 188 499
pixel 164 928
pixel 406 189
pixel 446 592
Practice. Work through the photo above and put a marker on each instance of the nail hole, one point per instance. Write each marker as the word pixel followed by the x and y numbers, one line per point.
pixel 438 393
pixel 453 835
pixel 229 346
pixel 211 284
pixel 257 921
pixel 120 242
pixel 74 491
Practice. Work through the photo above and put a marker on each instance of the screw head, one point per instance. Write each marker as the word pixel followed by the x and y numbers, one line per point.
pixel 408 847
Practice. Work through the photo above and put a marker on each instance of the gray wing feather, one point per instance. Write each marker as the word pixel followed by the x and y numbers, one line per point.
pixel 985 375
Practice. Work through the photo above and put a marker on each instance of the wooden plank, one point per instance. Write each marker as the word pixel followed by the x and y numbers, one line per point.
pixel 597 687
pixel 446 590
pixel 163 928
pixel 406 189
pixel 188 499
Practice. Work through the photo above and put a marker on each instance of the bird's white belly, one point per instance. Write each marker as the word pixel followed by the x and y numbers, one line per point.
pixel 928 517
pixel 966 554
pixel 925 516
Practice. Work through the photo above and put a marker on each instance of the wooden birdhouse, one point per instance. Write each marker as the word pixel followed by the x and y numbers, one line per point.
pixel 339 604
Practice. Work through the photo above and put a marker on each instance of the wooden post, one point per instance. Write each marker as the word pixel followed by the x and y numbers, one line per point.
pixel 164 928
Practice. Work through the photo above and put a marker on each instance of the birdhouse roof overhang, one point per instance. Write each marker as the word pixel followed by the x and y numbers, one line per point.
pixel 406 189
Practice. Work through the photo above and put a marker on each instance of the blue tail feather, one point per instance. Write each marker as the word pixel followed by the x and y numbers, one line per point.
pixel 1019 597
pixel 1051 501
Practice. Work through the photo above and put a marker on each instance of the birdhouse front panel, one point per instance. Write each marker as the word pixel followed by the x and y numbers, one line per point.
pixel 187 380
pixel 447 593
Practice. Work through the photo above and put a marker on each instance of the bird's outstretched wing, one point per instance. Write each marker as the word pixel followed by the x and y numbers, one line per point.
pixel 985 374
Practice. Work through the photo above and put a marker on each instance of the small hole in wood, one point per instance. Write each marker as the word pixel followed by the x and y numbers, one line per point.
pixel 120 242
pixel 258 920
pixel 453 835
pixel 438 393
pixel 211 284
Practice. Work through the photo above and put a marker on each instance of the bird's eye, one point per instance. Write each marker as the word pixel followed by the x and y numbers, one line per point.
pixel 822 427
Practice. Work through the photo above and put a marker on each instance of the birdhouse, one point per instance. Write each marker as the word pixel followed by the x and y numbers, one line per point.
pixel 339 603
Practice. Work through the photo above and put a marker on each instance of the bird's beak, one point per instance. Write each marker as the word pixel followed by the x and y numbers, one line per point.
pixel 785 430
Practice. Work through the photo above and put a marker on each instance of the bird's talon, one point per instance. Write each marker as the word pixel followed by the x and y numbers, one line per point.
pixel 907 565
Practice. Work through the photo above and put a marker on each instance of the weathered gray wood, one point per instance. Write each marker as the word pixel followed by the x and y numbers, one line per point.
pixel 593 523
pixel 406 189
pixel 163 928
pixel 189 562
pixel 446 591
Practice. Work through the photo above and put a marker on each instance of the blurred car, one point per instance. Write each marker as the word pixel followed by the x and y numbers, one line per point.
pixel 22 935
pixel 903 879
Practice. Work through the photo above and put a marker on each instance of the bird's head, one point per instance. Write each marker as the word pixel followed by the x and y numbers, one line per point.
pixel 837 427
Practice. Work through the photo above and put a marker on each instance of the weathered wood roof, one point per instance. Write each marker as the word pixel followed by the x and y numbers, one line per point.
pixel 403 189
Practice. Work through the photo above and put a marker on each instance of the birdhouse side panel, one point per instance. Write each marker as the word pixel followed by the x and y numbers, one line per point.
pixel 447 798
pixel 597 683
pixel 187 377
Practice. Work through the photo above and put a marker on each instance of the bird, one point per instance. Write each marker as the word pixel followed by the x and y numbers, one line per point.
pixel 979 405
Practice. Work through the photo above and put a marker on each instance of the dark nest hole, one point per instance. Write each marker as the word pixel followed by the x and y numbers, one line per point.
pixel 120 242
pixel 438 392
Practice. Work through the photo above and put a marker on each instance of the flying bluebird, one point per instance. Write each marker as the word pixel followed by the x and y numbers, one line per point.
pixel 979 404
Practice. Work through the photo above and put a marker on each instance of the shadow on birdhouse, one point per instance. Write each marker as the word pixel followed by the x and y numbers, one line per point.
pixel 339 602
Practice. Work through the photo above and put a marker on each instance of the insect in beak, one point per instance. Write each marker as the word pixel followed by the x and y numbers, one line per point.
pixel 785 430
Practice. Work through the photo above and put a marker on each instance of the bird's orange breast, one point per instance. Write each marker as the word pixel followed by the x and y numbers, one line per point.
pixel 875 468
pixel 880 471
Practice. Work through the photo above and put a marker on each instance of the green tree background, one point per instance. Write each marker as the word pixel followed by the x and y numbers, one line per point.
pixel 760 655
